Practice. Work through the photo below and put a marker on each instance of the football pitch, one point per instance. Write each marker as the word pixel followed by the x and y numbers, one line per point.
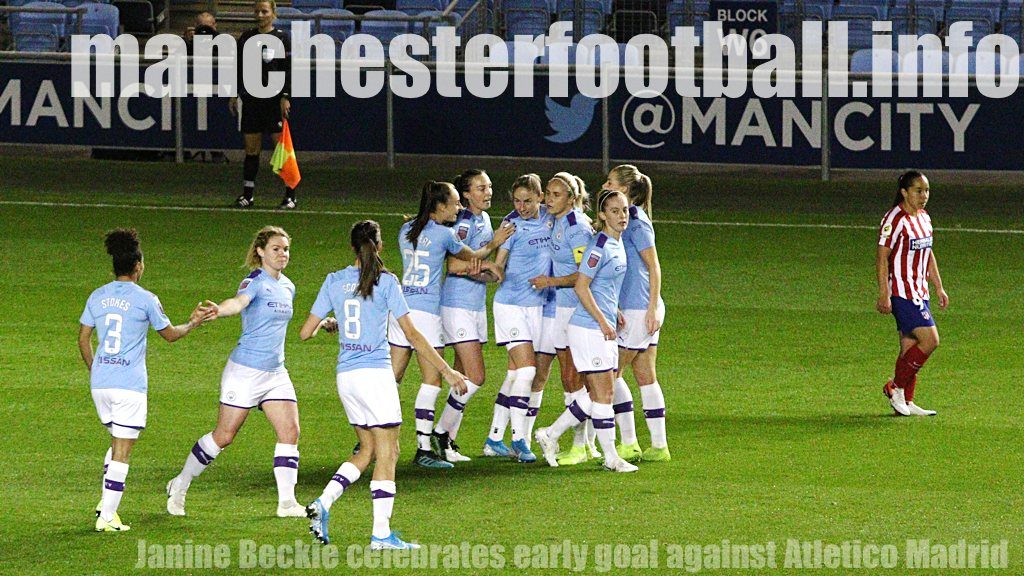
pixel 772 360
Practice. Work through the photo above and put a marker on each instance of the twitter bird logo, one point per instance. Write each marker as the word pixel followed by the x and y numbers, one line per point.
pixel 569 122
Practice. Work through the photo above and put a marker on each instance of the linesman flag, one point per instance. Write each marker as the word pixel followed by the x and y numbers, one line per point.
pixel 283 161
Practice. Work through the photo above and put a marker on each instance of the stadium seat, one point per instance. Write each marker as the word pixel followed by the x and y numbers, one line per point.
pixel 414 7
pixel 309 6
pixel 925 61
pixel 510 45
pixel 632 17
pixel 100 16
pixel 859 18
pixel 384 30
pixel 338 30
pixel 417 27
pixel 592 10
pixel 37 37
pixel 285 17
pixel 1011 20
pixel 477 17
pixel 984 17
pixel 530 17
pixel 969 61
pixel 862 60
pixel 687 13
pixel 37 24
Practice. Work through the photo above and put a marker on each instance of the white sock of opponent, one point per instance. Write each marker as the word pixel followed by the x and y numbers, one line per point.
pixel 203 453
pixel 286 471
pixel 622 405
pixel 425 400
pixel 383 493
pixel 604 425
pixel 519 401
pixel 113 489
pixel 501 413
pixel 346 475
pixel 654 412
pixel 454 408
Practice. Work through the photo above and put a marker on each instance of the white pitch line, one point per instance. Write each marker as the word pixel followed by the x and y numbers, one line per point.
pixel 398 214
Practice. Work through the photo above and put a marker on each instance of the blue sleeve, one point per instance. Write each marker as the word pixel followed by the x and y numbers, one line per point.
pixel 322 306
pixel 157 319
pixel 643 236
pixel 593 259
pixel 250 287
pixel 395 298
pixel 87 318
pixel 510 241
pixel 454 244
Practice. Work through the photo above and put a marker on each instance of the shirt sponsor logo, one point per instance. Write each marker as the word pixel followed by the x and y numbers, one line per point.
pixel 921 243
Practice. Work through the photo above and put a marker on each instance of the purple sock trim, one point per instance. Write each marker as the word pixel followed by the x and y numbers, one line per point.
pixel 286 462
pixel 532 412
pixel 422 414
pixel 113 485
pixel 519 402
pixel 201 455
pixel 623 408
pixel 381 494
pixel 502 400
pixel 345 482
pixel 603 423
pixel 460 406
pixel 578 412
pixel 655 413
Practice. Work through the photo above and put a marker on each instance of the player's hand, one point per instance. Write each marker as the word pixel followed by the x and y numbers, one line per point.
pixel 329 324
pixel 540 282
pixel 233 105
pixel 286 107
pixel 620 320
pixel 943 299
pixel 456 380
pixel 884 305
pixel 608 330
pixel 210 310
pixel 651 321
pixel 503 233
pixel 498 271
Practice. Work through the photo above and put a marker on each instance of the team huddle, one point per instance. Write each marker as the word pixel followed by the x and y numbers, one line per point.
pixel 583 290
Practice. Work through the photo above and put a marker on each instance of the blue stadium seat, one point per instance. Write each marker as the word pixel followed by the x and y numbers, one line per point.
pixel 530 17
pixel 384 30
pixel 338 30
pixel 983 15
pixel 593 14
pixel 1012 20
pixel 414 7
pixel 969 61
pixel 510 45
pixel 476 20
pixel 309 6
pixel 38 23
pixel 417 27
pixel 37 37
pixel 863 60
pixel 101 15
pixel 287 15
pixel 859 19
pixel 925 60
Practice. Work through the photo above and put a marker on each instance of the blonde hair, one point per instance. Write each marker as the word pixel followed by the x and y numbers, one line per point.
pixel 577 190
pixel 640 187
pixel 252 258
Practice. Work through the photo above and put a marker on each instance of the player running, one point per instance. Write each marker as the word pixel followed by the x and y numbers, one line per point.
pixel 255 375
pixel 905 262
pixel 592 333
pixel 362 296
pixel 121 313
pixel 425 242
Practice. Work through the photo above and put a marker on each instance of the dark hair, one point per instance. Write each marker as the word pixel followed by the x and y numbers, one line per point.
pixel 366 243
pixel 905 181
pixel 433 193
pixel 462 183
pixel 123 245
pixel 640 187
pixel 602 198
pixel 529 181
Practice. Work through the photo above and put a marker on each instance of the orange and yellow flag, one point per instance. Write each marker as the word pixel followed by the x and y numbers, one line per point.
pixel 283 161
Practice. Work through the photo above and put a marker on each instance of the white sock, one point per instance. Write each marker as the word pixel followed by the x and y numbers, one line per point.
pixel 604 425
pixel 654 412
pixel 346 475
pixel 203 453
pixel 501 412
pixel 577 413
pixel 383 493
pixel 454 408
pixel 519 401
pixel 286 471
pixel 106 463
pixel 531 414
pixel 425 400
pixel 622 405
pixel 113 489
pixel 580 430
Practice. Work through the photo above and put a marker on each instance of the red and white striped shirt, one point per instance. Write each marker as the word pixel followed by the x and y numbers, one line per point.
pixel 910 239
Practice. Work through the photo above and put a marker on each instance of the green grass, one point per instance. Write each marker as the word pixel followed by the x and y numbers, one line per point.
pixel 772 360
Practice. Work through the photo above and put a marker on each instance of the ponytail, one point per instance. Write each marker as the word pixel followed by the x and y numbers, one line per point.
pixel 641 189
pixel 905 181
pixel 432 194
pixel 366 244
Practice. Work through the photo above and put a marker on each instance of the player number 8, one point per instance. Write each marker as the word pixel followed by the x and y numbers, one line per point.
pixel 353 328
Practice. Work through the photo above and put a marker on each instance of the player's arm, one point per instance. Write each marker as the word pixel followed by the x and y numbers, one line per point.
pixel 314 324
pixel 590 305
pixel 883 305
pixel 202 312
pixel 936 279
pixel 85 345
pixel 426 352
pixel 503 233
pixel 650 258
pixel 232 306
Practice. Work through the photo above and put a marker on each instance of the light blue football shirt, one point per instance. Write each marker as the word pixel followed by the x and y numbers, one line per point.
pixel 122 313
pixel 604 262
pixel 570 236
pixel 528 257
pixel 362 322
pixel 637 237
pixel 459 291
pixel 264 321
pixel 422 266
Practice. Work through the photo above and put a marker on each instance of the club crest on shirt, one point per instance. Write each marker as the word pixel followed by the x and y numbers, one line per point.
pixel 461 333
pixel 921 243
pixel 593 259
pixel 513 332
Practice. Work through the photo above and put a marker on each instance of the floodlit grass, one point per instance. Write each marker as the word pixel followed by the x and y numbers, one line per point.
pixel 772 361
